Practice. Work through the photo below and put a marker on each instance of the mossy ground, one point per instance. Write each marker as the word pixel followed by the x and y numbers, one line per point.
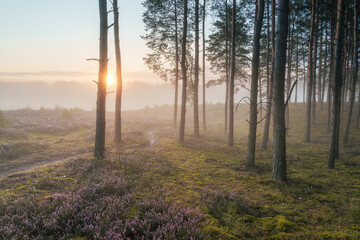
pixel 315 203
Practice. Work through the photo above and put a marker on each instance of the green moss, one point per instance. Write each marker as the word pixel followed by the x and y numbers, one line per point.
pixel 218 233
pixel 284 225
pixel 335 235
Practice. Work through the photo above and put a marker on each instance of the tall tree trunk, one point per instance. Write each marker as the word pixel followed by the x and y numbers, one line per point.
pixel 325 67
pixel 176 68
pixel 316 30
pixel 288 84
pixel 305 79
pixel 279 154
pixel 101 90
pixel 310 73
pixel 355 71
pixel 250 159
pixel 232 77
pixel 345 67
pixel 226 68
pixel 271 82
pixel 320 65
pixel 297 72
pixel 358 111
pixel 333 152
pixel 331 71
pixel 260 96
pixel 267 48
pixel 196 82
pixel 184 77
pixel 203 63
pixel 118 74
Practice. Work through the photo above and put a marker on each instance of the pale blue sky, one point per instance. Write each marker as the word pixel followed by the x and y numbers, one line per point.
pixel 58 35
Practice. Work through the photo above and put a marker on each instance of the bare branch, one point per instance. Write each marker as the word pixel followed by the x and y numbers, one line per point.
pixel 263 118
pixel 93 59
pixel 95 82
pixel 110 92
pixel 111 25
pixel 292 88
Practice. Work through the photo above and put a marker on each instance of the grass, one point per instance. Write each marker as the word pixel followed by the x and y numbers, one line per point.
pixel 207 175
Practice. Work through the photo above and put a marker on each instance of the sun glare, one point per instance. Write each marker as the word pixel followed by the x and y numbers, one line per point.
pixel 110 79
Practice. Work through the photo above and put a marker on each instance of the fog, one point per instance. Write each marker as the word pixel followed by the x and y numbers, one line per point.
pixel 136 95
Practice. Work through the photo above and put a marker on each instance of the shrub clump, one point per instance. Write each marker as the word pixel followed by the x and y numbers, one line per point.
pixel 99 210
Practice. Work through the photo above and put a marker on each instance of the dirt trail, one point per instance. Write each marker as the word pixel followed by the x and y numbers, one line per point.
pixel 31 162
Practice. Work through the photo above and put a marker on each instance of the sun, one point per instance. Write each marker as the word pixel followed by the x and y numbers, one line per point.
pixel 110 79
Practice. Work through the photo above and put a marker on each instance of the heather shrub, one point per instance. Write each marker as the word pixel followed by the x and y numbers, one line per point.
pixel 103 209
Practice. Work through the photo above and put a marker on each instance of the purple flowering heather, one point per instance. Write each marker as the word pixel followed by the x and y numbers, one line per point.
pixel 103 210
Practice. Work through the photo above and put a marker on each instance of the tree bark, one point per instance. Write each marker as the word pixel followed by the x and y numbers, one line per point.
pixel 331 71
pixel 305 79
pixel 325 68
pixel 310 73
pixel 297 72
pixel 333 152
pixel 271 82
pixel 316 29
pixel 250 159
pixel 232 78
pixel 279 151
pixel 118 74
pixel 203 63
pixel 226 68
pixel 183 69
pixel 196 82
pixel 176 68
pixel 288 83
pixel 101 90
pixel 358 111
pixel 355 71
pixel 320 66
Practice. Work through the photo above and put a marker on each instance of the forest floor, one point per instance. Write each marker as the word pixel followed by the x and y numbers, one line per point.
pixel 152 186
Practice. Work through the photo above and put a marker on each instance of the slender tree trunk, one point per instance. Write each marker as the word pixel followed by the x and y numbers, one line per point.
pixel 260 96
pixel 226 68
pixel 288 84
pixel 325 67
pixel 196 83
pixel 313 108
pixel 203 63
pixel 250 159
pixel 297 72
pixel 232 77
pixel 118 74
pixel 333 152
pixel 320 65
pixel 101 91
pixel 267 48
pixel 355 71
pixel 358 111
pixel 305 79
pixel 331 71
pixel 184 77
pixel 345 68
pixel 176 68
pixel 279 154
pixel 271 82
pixel 310 73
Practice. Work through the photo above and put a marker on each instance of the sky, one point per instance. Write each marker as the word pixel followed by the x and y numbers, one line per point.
pixel 50 40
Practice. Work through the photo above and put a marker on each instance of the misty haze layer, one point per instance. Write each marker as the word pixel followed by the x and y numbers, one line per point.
pixel 136 95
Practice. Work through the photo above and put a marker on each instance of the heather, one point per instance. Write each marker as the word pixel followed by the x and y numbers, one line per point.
pixel 103 209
